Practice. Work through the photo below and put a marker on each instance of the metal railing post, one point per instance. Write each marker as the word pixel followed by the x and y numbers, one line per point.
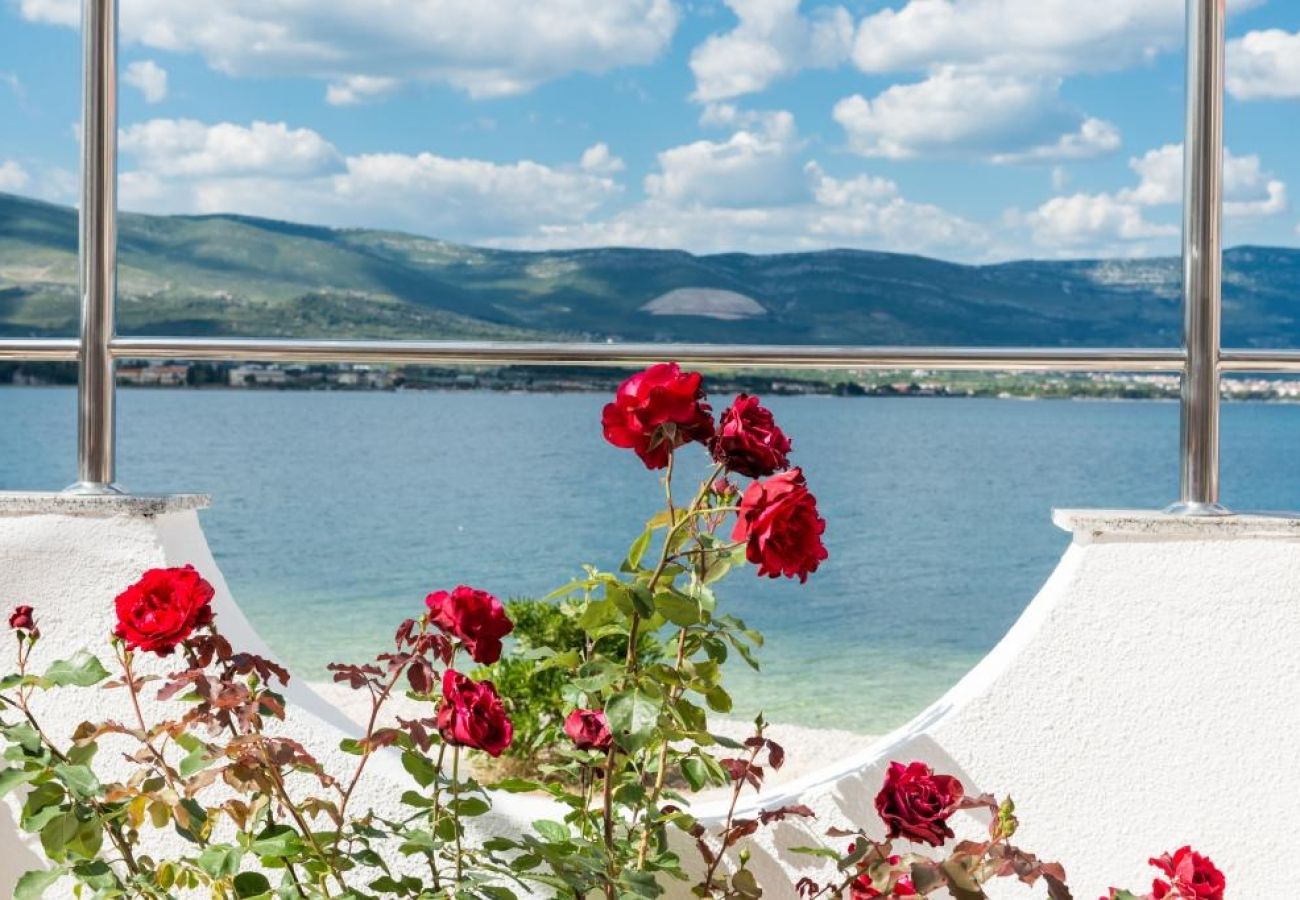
pixel 98 249
pixel 1202 259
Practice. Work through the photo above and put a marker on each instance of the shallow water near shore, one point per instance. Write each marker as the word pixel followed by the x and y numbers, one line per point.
pixel 335 513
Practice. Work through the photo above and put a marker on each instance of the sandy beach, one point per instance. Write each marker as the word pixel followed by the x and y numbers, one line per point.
pixel 807 749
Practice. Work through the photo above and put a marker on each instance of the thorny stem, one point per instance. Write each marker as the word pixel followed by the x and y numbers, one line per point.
pixel 705 486
pixel 287 801
pixel 437 811
pixel 455 798
pixel 377 702
pixel 133 691
pixel 736 788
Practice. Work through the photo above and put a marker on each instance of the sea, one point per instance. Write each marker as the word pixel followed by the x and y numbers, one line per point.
pixel 335 513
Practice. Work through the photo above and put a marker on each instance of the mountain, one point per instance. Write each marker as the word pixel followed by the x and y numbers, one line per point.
pixel 234 275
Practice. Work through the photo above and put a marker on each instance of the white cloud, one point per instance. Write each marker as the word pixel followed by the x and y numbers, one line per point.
pixel 756 166
pixel 149 78
pixel 859 212
pixel 1264 65
pixel 1020 36
pixel 1002 118
pixel 1117 223
pixel 1095 137
pixel 771 40
pixel 270 169
pixel 1248 190
pixel 185 147
pixel 1092 219
pixel 598 159
pixel 13 177
pixel 484 47
pixel 354 89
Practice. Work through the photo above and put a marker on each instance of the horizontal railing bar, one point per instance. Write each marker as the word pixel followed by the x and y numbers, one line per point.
pixel 39 349
pixel 573 353
pixel 774 356
pixel 1259 361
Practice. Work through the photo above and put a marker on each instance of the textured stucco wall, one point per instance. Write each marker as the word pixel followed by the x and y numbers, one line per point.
pixel 1145 699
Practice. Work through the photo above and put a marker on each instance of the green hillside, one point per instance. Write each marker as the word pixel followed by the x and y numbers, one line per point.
pixel 232 275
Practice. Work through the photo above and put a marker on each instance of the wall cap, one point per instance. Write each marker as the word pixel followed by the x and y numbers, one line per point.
pixel 42 503
pixel 1089 525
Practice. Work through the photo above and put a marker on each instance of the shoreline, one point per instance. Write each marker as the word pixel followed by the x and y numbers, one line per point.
pixel 1079 397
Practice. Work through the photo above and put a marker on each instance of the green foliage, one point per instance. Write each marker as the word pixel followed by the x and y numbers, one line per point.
pixel 534 692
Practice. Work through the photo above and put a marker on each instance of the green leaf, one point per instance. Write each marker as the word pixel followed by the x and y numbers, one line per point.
pixel 677 608
pixel 252 884
pixel 11 778
pixel 554 832
pixel 516 785
pixel 467 807
pixel 420 767
pixel 276 841
pixel 220 860
pixel 33 884
pixel 66 835
pixel 637 551
pixel 632 717
pixel 695 773
pixel 80 780
pixel 196 761
pixel 24 735
pixel 718 699
pixel 82 670
pixel 823 852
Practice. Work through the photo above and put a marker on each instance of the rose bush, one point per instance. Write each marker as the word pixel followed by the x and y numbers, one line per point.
pixel 633 664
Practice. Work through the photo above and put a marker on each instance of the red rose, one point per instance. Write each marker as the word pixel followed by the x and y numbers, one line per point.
pixel 471 715
pixel 862 889
pixel 162 609
pixel 656 411
pixel 1191 877
pixel 588 729
pixel 778 520
pixel 475 617
pixel 21 619
pixel 916 803
pixel 748 441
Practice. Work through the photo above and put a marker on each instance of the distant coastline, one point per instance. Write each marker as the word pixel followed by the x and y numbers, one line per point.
pixel 541 379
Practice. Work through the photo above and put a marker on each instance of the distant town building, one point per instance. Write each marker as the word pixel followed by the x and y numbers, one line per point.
pixel 257 376
pixel 166 375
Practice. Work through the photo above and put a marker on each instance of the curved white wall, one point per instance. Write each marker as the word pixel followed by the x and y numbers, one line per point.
pixel 1146 698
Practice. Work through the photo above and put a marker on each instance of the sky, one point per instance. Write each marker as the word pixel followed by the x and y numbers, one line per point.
pixel 973 130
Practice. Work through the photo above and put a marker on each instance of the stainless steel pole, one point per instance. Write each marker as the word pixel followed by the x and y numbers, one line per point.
pixel 95 387
pixel 1202 258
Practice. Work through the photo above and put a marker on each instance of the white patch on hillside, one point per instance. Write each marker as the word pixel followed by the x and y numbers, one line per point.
pixel 711 303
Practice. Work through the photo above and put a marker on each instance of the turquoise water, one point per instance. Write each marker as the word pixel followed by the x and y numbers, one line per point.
pixel 335 513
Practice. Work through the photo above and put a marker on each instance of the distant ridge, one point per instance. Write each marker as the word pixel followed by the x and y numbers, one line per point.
pixel 237 275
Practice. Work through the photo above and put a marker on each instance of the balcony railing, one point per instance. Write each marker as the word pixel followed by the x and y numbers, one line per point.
pixel 1200 362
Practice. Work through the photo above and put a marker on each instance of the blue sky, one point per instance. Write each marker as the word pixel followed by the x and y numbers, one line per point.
pixel 966 129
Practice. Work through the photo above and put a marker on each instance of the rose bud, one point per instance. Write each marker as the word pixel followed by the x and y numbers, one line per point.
pixel 471 715
pixel 724 488
pixel 1191 877
pixel 779 524
pixel 915 803
pixel 474 617
pixel 588 729
pixel 163 609
pixel 21 619
pixel 748 442
pixel 656 411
